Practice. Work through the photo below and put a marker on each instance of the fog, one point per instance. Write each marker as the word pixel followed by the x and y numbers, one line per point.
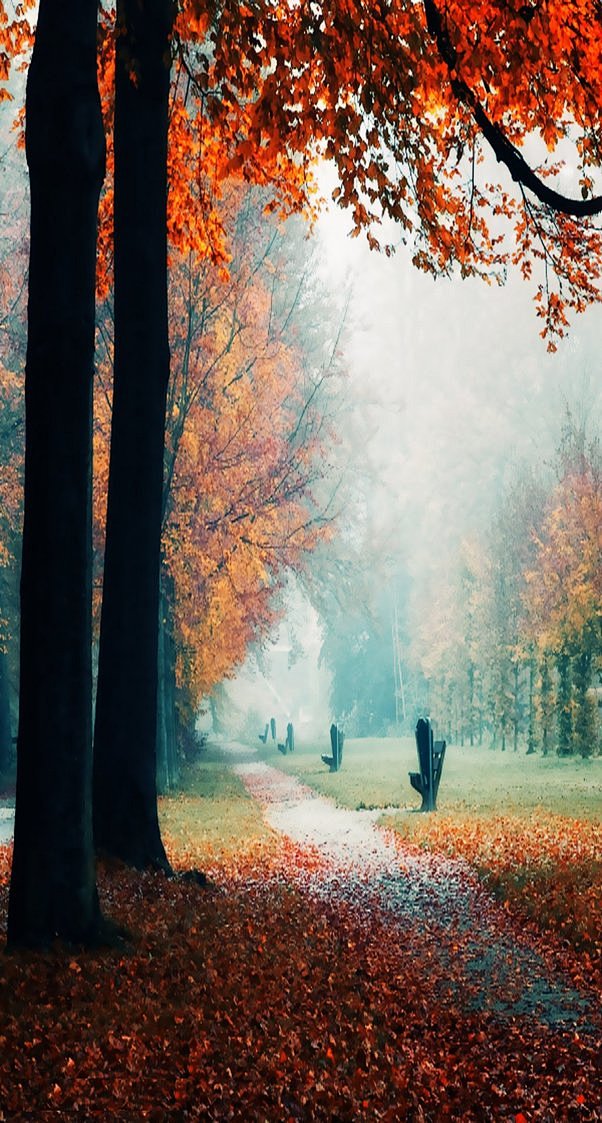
pixel 452 379
pixel 450 389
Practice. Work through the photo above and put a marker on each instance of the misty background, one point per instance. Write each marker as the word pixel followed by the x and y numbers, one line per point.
pixel 450 394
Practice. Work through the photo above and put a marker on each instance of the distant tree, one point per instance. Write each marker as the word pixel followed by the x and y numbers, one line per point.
pixel 545 702
pixel 564 586
pixel 358 651
pixel 512 547
pixel 585 733
pixel 249 423
pixel 564 705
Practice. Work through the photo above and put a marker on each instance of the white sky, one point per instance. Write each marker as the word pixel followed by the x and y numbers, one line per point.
pixel 451 377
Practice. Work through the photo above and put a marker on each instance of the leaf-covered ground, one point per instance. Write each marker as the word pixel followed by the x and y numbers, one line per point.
pixel 289 990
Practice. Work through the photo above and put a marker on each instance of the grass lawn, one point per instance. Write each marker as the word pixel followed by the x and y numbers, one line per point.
pixel 474 781
pixel 213 815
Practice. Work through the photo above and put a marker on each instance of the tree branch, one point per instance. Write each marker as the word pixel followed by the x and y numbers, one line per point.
pixel 505 151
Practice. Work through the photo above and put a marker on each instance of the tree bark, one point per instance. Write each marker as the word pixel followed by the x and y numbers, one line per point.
pixel 53 888
pixel 125 790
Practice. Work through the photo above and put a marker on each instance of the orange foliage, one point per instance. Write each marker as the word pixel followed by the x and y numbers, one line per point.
pixel 369 87
pixel 245 433
pixel 241 439
pixel 255 1000
pixel 547 867
pixel 564 590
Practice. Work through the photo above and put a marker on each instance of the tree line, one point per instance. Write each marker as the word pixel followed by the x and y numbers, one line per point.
pixel 512 649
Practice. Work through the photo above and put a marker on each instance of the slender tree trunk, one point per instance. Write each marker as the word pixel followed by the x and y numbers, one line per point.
pixel 471 704
pixel 167 770
pixel 585 735
pixel 516 707
pixel 564 699
pixel 546 703
pixel 125 791
pixel 531 726
pixel 5 729
pixel 53 889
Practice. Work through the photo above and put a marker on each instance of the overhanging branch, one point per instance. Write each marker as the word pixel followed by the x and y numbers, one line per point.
pixel 505 151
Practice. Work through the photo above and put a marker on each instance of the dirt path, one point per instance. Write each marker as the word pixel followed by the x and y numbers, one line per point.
pixel 496 968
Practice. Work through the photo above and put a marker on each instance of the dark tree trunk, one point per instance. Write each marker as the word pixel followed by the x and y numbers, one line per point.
pixel 125 790
pixel 53 889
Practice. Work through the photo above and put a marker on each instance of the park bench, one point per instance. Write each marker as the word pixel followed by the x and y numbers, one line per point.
pixel 337 739
pixel 270 727
pixel 431 755
pixel 289 744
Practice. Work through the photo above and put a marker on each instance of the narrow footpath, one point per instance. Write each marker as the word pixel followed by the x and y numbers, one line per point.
pixel 496 967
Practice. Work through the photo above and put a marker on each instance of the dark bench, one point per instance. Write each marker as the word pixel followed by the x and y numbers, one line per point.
pixel 337 740
pixel 289 744
pixel 431 755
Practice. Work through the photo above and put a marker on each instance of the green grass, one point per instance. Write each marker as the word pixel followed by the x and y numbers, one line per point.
pixel 477 780
pixel 212 812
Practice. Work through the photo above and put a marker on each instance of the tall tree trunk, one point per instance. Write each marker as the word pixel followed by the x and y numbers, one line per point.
pixel 53 889
pixel 125 790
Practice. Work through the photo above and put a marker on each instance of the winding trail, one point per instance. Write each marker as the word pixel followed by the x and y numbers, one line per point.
pixel 496 968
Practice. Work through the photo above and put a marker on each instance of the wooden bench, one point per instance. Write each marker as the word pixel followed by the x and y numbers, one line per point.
pixel 431 755
pixel 337 740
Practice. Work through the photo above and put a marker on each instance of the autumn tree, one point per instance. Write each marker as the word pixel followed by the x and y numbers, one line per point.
pixel 13 270
pixel 10 514
pixel 276 84
pixel 53 890
pixel 405 100
pixel 564 591
pixel 255 376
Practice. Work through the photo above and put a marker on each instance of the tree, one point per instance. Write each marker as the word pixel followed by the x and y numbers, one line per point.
pixel 564 587
pixel 249 422
pixel 125 806
pixel 10 517
pixel 403 99
pixel 264 114
pixel 53 889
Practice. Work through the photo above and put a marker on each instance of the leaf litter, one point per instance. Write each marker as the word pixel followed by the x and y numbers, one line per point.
pixel 328 973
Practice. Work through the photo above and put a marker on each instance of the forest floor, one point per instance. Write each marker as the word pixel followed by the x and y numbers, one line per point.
pixel 332 970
